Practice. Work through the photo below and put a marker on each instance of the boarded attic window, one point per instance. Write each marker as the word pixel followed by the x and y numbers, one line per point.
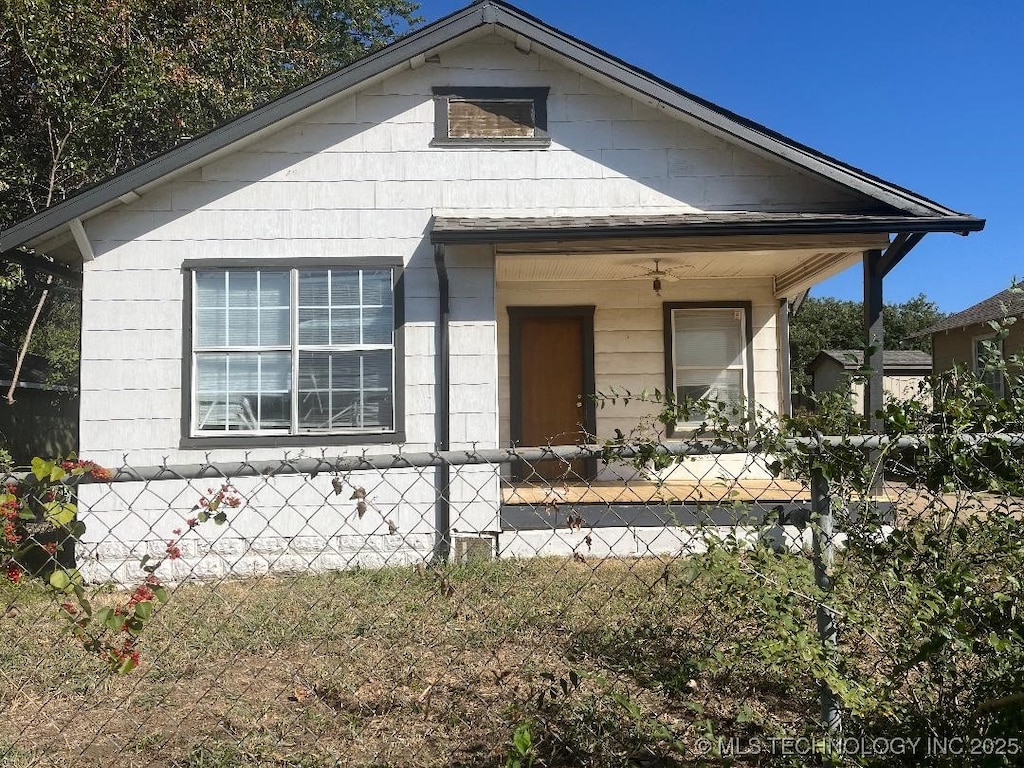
pixel 490 119
pixel 481 116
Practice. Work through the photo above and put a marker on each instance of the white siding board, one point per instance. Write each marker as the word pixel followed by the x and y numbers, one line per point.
pixel 635 163
pixel 142 404
pixel 580 136
pixel 137 314
pixel 122 376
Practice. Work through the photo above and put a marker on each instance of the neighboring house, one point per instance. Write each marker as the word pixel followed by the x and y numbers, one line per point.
pixel 453 242
pixel 961 338
pixel 43 419
pixel 903 373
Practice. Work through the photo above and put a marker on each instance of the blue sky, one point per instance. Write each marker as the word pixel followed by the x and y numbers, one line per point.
pixel 926 94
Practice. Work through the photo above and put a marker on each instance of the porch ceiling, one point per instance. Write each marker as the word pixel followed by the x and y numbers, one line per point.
pixel 795 250
pixel 792 270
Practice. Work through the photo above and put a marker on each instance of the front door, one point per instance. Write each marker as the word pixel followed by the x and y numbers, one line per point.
pixel 552 369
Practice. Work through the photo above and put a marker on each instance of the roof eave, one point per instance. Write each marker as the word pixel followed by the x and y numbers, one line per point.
pixel 491 234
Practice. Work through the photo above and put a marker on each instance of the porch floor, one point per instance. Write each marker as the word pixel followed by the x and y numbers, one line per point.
pixel 645 492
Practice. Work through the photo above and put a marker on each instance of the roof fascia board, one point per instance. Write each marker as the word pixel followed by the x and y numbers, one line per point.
pixel 726 123
pixel 959 224
pixel 199 149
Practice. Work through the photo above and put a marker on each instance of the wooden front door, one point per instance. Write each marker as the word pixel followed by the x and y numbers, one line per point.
pixel 552 368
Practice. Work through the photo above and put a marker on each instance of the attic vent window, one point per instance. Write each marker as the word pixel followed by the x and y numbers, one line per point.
pixel 487 116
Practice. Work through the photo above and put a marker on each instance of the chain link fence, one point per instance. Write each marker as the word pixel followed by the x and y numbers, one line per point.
pixel 553 606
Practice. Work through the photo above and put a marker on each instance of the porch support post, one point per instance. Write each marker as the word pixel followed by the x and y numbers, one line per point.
pixel 785 375
pixel 874 334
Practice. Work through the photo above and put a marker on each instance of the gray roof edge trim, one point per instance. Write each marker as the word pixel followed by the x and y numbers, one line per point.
pixel 706 229
pixel 178 158
pixel 718 117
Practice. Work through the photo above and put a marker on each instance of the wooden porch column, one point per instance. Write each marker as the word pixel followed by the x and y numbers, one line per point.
pixel 874 332
pixel 785 375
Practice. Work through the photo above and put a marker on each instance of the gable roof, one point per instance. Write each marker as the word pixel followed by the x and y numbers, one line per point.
pixel 495 15
pixel 892 359
pixel 1004 304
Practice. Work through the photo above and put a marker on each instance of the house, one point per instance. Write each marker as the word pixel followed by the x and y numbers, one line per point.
pixel 43 417
pixel 453 242
pixel 903 373
pixel 961 338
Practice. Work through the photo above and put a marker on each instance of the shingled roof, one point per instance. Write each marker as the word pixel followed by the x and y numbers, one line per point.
pixel 1004 304
pixel 892 359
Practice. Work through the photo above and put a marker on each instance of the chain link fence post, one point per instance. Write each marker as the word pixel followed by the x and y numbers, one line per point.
pixel 823 538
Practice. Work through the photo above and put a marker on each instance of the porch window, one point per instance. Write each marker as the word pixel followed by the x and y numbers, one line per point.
pixel 988 351
pixel 293 351
pixel 708 350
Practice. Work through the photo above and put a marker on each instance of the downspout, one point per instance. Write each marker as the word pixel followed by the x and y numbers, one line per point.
pixel 442 473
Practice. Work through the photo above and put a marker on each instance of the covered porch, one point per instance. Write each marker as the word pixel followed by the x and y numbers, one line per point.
pixel 694 304
pixel 595 304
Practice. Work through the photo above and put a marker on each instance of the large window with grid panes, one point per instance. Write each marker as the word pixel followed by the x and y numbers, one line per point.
pixel 292 351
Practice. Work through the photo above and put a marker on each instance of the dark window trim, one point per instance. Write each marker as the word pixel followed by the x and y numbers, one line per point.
pixel 669 347
pixel 397 435
pixel 538 95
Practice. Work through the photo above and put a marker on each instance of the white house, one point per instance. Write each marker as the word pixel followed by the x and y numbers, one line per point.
pixel 453 241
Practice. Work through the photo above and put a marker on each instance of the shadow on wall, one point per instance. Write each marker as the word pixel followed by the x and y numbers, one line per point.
pixel 41 422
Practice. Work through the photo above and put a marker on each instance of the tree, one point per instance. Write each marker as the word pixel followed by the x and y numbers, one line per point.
pixel 829 323
pixel 93 87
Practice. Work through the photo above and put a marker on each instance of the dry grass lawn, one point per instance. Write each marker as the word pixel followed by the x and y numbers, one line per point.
pixel 394 667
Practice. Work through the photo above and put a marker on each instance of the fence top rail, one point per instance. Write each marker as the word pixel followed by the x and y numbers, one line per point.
pixel 306 465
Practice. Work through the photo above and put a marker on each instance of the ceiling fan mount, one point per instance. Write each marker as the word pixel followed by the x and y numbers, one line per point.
pixel 657 276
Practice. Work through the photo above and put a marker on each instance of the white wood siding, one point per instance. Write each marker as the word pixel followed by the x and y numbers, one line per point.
pixel 358 179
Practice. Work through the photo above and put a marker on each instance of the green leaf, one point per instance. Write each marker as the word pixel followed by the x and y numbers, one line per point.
pixel 144 610
pixel 220 518
pixel 41 468
pixel 102 616
pixel 133 625
pixel 115 622
pixel 161 594
pixel 59 513
pixel 522 739
pixel 60 580
pixel 127 665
